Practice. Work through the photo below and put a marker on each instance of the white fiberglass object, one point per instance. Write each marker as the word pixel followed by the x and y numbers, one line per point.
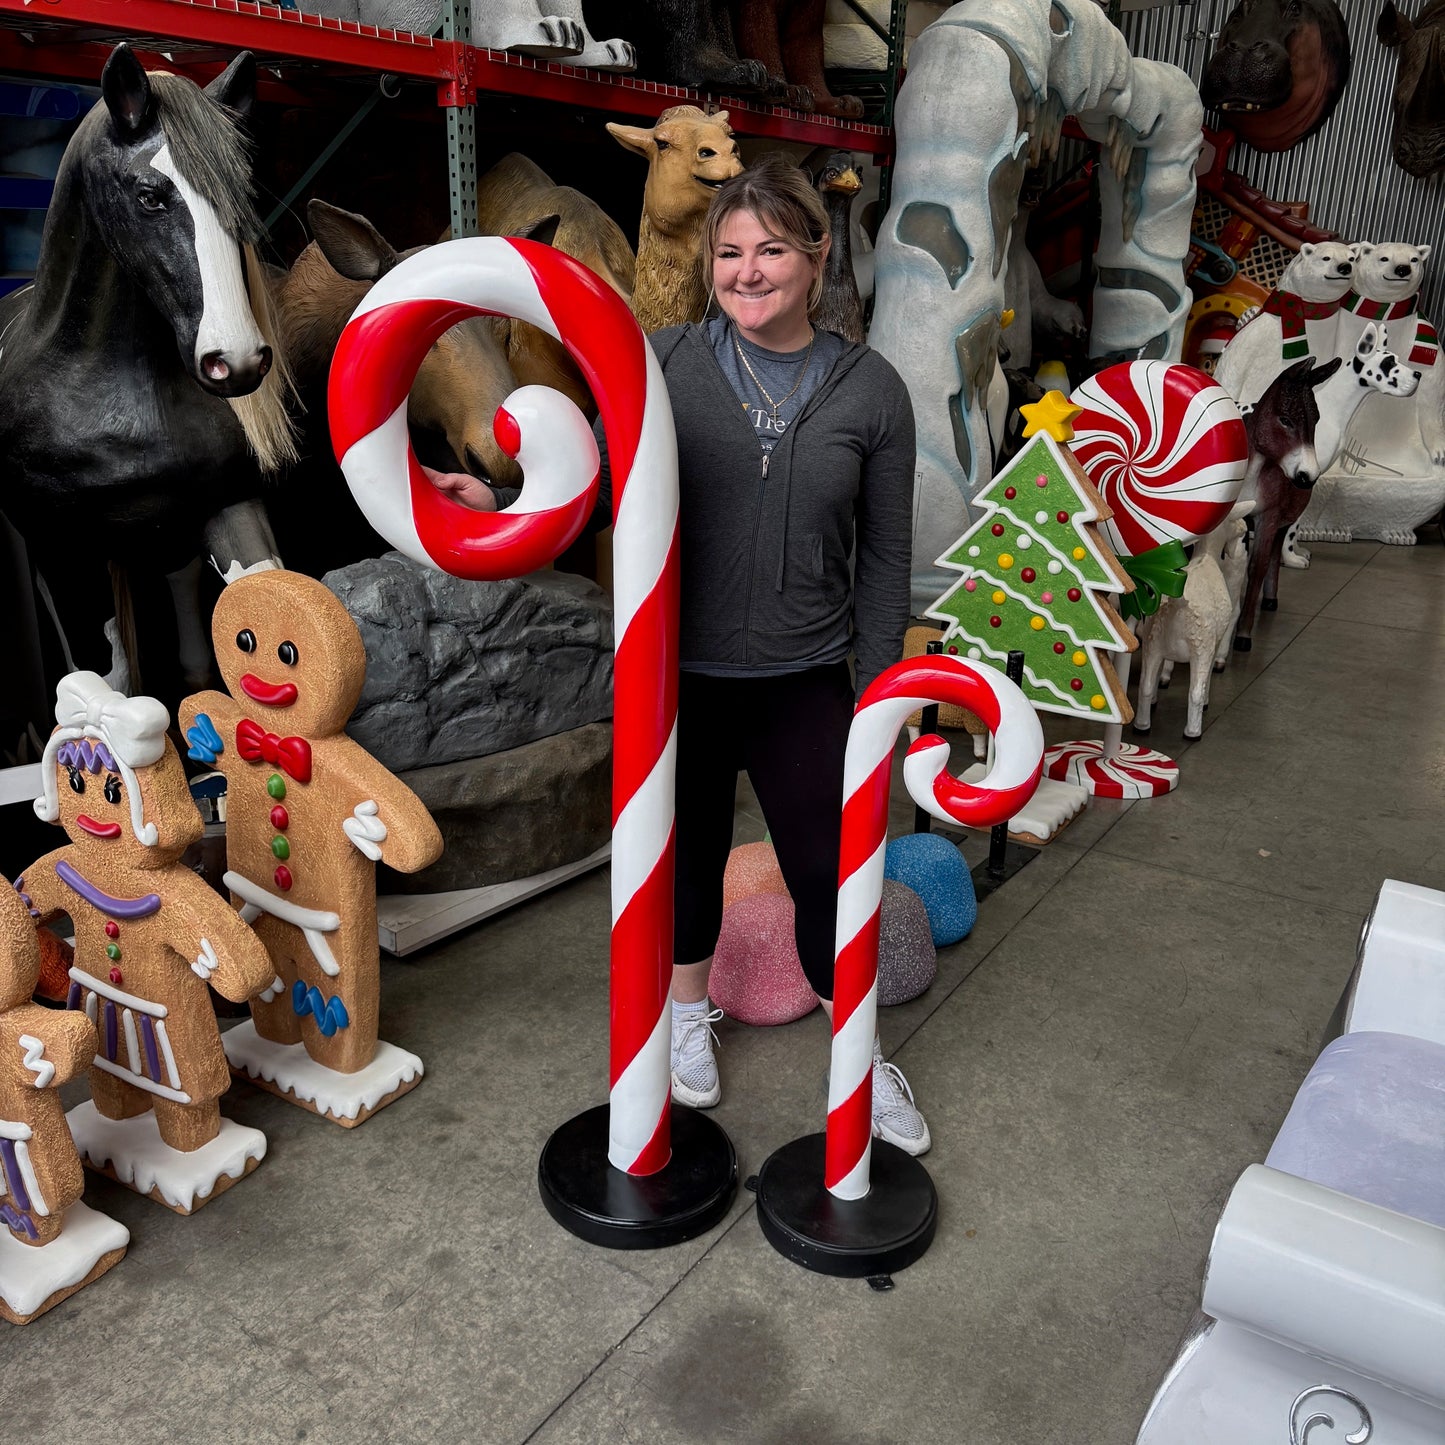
pixel 1323 1308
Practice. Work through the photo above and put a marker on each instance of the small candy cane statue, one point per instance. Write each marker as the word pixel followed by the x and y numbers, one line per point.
pixel 862 1238
pixel 373 369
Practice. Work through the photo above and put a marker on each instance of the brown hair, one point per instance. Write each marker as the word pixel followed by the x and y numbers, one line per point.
pixel 781 196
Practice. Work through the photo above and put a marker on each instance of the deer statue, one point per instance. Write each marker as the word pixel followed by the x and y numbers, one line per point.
pixel 1283 467
pixel 689 155
pixel 1194 628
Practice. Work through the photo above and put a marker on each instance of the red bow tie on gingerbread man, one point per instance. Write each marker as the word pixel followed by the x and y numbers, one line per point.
pixel 256 745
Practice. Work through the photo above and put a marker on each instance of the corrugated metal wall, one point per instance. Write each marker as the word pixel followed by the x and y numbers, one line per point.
pixel 1345 171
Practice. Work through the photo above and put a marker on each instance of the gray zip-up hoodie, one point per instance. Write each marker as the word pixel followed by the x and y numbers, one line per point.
pixel 766 546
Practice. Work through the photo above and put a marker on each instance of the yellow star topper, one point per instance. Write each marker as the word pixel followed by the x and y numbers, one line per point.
pixel 1054 415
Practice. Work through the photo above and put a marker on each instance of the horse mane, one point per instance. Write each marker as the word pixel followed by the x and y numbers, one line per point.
pixel 210 150
pixel 266 416
pixel 214 155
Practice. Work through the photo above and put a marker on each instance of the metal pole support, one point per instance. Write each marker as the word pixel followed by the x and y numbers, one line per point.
pixel 459 99
pixel 927 723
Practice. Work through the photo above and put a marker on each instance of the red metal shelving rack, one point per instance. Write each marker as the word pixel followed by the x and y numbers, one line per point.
pixel 68 39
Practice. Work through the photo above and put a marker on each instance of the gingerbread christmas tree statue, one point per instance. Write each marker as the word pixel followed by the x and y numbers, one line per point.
pixel 1038 577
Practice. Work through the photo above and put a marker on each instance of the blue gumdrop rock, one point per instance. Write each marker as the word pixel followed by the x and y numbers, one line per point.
pixel 934 869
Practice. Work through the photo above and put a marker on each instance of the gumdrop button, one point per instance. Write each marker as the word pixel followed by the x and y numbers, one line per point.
pixel 112 952
pixel 116 978
pixel 280 818
pixel 276 786
pixel 112 928
pixel 280 849
pixel 283 878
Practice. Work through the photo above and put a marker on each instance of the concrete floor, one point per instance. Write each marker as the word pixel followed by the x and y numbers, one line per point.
pixel 1120 1036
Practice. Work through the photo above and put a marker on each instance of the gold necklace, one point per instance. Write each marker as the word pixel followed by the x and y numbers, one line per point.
pixel 767 396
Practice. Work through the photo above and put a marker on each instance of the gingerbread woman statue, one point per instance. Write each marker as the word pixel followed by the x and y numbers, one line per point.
pixel 50 1244
pixel 309 813
pixel 149 936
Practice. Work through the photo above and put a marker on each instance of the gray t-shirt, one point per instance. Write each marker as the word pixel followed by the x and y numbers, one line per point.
pixel 778 371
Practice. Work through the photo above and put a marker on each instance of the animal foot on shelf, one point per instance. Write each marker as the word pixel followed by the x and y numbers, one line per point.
pixel 561 32
pixel 1394 538
pixel 723 73
pixel 608 55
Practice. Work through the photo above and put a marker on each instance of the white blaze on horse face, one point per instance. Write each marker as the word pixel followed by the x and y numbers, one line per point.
pixel 227 333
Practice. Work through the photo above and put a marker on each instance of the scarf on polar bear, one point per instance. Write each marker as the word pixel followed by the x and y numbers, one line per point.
pixel 1293 311
pixel 1427 343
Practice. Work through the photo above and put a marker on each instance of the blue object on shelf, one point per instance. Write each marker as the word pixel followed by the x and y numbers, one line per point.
pixel 934 869
pixel 25 193
pixel 43 102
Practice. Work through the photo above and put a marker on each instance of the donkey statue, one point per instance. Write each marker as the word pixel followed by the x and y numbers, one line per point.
pixel 1283 467
pixel 141 388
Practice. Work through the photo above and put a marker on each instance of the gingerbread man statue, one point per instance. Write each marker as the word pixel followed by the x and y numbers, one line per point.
pixel 309 813
pixel 50 1244
pixel 149 936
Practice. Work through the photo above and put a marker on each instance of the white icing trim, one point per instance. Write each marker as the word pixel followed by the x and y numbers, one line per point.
pixel 295 1072
pixel 273 990
pixel 32 1184
pixel 314 923
pixel 13 1129
pixel 132 1049
pixel 32 1052
pixel 139 1080
pixel 30 1275
pixel 140 1158
pixel 117 995
pixel 206 961
pixel 92 1008
pixel 164 1040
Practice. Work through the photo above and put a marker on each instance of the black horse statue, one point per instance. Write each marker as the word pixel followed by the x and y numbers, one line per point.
pixel 140 391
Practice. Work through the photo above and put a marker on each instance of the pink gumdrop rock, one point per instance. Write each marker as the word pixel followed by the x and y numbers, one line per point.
pixel 907 960
pixel 752 869
pixel 756 977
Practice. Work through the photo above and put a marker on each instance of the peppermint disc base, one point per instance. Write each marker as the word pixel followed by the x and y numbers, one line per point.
pixel 606 1206
pixel 888 1229
pixel 1133 772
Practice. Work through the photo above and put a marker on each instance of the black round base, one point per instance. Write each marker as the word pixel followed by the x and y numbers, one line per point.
pixel 883 1232
pixel 1269 604
pixel 605 1206
pixel 1242 644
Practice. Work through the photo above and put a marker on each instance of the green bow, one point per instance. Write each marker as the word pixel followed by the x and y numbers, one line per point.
pixel 1157 573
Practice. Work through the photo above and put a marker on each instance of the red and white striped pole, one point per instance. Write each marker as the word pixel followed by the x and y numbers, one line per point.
pixel 830 1202
pixel 882 712
pixel 375 364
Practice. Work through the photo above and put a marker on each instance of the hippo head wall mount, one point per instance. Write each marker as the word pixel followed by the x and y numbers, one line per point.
pixel 1279 70
pixel 1419 86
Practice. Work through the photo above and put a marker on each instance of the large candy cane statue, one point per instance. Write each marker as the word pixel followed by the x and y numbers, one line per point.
pixel 874 1235
pixel 373 369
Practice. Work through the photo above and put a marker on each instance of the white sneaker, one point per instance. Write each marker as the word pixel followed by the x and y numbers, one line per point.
pixel 895 1116
pixel 694 1070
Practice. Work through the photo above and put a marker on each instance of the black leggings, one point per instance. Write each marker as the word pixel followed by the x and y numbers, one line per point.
pixel 790 733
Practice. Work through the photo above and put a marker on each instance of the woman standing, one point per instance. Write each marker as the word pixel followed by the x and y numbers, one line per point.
pixel 796 461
